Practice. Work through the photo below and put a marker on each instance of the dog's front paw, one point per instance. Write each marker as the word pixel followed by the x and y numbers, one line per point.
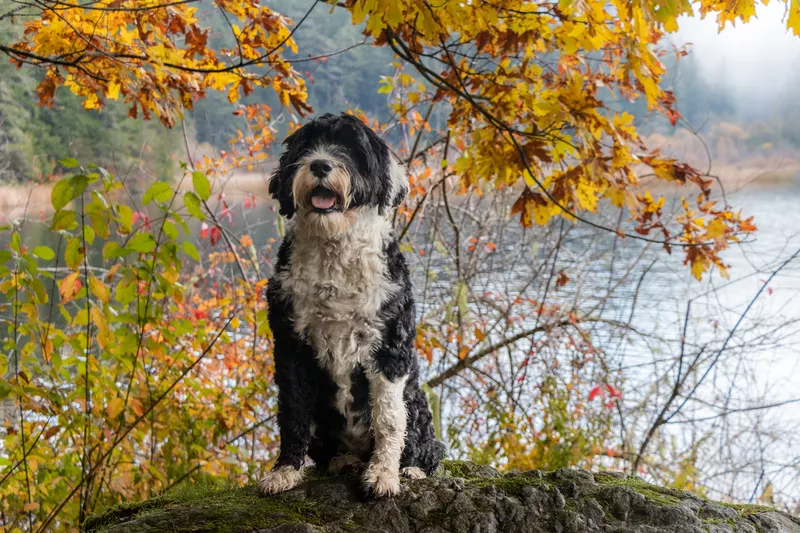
pixel 413 472
pixel 346 462
pixel 281 479
pixel 381 482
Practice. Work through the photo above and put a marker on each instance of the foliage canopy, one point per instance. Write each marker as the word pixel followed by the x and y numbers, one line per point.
pixel 527 86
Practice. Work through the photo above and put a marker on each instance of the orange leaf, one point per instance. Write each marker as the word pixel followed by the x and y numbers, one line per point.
pixel 69 287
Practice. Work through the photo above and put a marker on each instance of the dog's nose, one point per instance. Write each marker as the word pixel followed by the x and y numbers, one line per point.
pixel 321 168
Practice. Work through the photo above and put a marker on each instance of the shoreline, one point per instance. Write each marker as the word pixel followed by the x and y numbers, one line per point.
pixel 33 200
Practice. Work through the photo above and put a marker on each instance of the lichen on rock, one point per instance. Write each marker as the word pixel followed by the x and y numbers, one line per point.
pixel 462 498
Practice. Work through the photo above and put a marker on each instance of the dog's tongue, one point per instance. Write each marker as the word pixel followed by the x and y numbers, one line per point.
pixel 323 202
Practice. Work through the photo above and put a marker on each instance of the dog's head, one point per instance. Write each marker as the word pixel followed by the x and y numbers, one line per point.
pixel 333 167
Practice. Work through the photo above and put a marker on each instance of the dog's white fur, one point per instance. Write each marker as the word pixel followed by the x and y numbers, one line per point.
pixel 413 472
pixel 338 180
pixel 389 427
pixel 282 479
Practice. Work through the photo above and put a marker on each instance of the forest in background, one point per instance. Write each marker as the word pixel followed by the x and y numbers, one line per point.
pixel 33 139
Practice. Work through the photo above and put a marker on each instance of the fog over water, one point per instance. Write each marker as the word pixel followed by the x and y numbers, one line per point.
pixel 758 63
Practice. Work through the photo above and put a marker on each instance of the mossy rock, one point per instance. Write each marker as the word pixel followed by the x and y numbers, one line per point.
pixel 463 498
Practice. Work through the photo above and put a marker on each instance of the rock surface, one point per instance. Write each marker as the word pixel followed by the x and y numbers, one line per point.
pixel 463 498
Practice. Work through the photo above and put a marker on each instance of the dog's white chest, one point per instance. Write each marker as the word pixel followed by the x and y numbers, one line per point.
pixel 338 287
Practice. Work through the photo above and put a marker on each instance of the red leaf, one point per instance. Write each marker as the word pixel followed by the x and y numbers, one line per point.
pixel 614 392
pixel 138 215
pixel 215 235
pixel 596 391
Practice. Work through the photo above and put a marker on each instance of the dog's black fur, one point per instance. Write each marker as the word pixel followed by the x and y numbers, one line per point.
pixel 307 414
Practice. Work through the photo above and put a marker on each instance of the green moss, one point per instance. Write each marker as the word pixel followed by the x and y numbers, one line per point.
pixel 460 468
pixel 216 509
pixel 476 478
pixel 653 493
pixel 748 509
pixel 512 485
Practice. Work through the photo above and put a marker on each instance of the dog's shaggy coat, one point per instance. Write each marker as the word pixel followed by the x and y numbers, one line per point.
pixel 342 314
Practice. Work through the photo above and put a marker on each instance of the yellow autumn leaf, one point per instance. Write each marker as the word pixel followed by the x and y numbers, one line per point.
pixel 115 407
pixel 715 229
pixel 699 267
pixel 99 289
pixel 113 90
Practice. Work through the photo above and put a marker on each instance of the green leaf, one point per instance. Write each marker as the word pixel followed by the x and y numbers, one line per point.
pixel 41 293
pixel 82 318
pixel 5 390
pixel 125 217
pixel 5 255
pixel 64 219
pixel 201 185
pixel 159 191
pixel 178 218
pixel 191 250
pixel 112 250
pixel 99 225
pixel 142 242
pixel 44 252
pixel 60 195
pixel 88 234
pixel 170 230
pixel 78 184
pixel 67 190
pixel 193 205
pixel 64 313
pixel 125 291
pixel 74 253
pixel 69 162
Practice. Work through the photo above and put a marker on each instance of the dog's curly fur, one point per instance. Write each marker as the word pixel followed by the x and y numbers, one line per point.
pixel 342 314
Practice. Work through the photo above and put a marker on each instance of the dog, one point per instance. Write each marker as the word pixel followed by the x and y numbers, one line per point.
pixel 342 314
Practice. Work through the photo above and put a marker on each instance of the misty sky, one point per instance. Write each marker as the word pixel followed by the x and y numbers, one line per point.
pixel 759 59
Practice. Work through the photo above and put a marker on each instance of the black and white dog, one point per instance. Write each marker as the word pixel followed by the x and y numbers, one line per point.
pixel 341 312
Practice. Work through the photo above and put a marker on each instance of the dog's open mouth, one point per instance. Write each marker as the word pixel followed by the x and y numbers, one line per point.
pixel 323 200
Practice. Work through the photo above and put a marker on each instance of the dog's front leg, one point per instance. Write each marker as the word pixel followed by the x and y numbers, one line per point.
pixel 382 476
pixel 294 420
pixel 295 373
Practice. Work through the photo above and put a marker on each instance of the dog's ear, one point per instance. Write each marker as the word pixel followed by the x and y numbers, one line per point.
pixel 399 189
pixel 388 177
pixel 280 184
